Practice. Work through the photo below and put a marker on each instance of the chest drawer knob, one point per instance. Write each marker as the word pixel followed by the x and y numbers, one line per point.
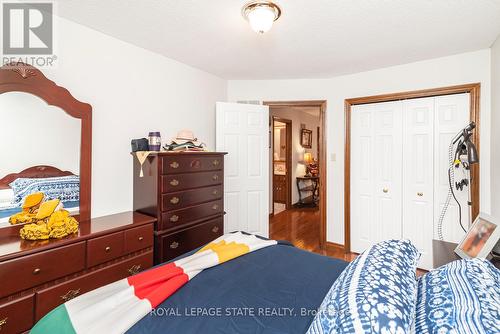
pixel 174 165
pixel 174 245
pixel 215 229
pixel 174 200
pixel 215 207
pixel 140 238
pixel 215 177
pixel 70 295
pixel 3 322
pixel 216 162
pixel 135 269
pixel 174 218
pixel 37 271
pixel 420 194
pixel 107 249
pixel 174 183
pixel 215 192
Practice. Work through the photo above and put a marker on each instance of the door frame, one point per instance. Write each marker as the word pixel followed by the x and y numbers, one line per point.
pixel 474 89
pixel 288 163
pixel 321 104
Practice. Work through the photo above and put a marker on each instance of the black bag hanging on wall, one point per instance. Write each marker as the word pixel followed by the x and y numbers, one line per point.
pixel 140 145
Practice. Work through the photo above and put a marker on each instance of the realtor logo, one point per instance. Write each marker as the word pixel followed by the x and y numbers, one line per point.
pixel 27 28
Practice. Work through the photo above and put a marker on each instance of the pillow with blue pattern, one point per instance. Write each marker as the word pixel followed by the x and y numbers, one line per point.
pixel 460 297
pixel 65 188
pixel 376 293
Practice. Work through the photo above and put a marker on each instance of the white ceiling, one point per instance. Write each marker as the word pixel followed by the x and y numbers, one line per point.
pixel 312 39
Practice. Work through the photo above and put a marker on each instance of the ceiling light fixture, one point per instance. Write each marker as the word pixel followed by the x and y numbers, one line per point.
pixel 261 15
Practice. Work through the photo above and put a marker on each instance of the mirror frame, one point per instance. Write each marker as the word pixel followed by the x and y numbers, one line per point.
pixel 20 77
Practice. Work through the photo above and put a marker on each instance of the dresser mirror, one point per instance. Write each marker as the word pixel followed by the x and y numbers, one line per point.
pixel 46 138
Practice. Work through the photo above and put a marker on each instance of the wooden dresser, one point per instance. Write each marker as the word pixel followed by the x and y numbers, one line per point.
pixel 184 191
pixel 37 276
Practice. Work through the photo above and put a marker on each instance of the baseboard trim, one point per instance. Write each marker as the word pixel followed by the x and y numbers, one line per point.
pixel 334 247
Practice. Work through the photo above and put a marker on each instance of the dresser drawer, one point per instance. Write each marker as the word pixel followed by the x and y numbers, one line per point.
pixel 170 246
pixel 103 249
pixel 16 316
pixel 138 238
pixel 48 299
pixel 176 182
pixel 181 217
pixel 174 201
pixel 191 163
pixel 32 270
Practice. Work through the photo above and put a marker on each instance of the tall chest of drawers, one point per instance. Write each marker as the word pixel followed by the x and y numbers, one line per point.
pixel 184 191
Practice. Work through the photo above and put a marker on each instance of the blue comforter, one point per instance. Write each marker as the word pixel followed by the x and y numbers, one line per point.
pixel 274 290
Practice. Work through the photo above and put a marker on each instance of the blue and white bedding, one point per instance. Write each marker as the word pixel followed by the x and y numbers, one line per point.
pixel 65 188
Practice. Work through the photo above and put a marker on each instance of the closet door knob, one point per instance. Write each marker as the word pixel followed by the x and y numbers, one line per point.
pixel 174 183
pixel 385 190
pixel 420 194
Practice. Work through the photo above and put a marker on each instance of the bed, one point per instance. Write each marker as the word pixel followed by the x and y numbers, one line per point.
pixel 282 289
pixel 58 183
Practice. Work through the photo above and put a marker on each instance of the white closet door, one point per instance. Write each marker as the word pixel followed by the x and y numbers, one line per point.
pixel 451 115
pixel 376 158
pixel 418 176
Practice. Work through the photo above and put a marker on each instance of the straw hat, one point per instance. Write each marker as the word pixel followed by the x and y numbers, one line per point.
pixel 185 136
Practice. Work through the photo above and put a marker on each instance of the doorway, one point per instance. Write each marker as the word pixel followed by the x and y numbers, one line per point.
pixel 281 164
pixel 299 172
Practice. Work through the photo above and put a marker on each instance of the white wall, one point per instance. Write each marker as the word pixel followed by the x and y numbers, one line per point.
pixel 495 128
pixel 459 69
pixel 298 117
pixel 132 91
pixel 28 138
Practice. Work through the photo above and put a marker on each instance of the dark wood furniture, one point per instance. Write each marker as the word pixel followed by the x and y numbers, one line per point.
pixel 19 77
pixel 280 189
pixel 184 191
pixel 37 276
pixel 312 188
pixel 443 252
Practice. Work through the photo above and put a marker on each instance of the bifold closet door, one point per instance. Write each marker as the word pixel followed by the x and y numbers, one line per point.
pixel 452 113
pixel 376 173
pixel 418 176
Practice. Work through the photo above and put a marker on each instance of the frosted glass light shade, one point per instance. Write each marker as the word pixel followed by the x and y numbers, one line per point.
pixel 261 19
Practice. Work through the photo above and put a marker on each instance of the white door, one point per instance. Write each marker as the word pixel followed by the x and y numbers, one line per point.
pixel 418 176
pixel 451 115
pixel 242 130
pixel 376 158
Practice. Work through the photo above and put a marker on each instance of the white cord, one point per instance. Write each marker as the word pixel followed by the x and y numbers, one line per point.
pixel 451 170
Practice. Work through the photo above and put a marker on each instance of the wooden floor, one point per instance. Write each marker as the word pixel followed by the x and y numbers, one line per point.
pixel 300 226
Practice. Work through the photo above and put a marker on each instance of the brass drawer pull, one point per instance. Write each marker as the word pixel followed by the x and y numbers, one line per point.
pixel 385 190
pixel 174 218
pixel 215 177
pixel 140 238
pixel 216 162
pixel 174 164
pixel 215 229
pixel 215 192
pixel 174 200
pixel 215 207
pixel 107 249
pixel 420 194
pixel 135 269
pixel 3 322
pixel 174 183
pixel 37 271
pixel 174 245
pixel 70 295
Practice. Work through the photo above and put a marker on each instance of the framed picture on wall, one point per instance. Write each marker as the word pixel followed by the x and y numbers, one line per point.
pixel 480 239
pixel 306 138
